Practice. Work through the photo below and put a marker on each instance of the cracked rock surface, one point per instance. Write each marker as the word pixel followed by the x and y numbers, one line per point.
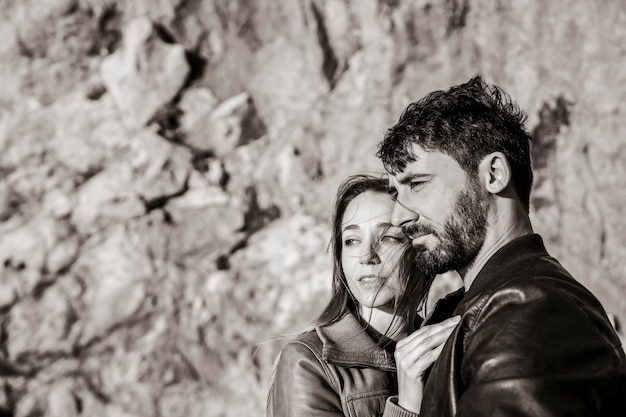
pixel 167 171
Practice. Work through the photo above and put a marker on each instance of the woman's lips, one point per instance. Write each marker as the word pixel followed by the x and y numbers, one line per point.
pixel 371 279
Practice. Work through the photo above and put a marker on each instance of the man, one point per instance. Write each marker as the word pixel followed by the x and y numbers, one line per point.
pixel 532 341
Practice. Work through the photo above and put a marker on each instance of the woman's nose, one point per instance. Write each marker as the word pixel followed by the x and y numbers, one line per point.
pixel 370 256
pixel 401 214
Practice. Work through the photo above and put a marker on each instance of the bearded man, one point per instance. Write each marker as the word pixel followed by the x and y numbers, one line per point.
pixel 532 340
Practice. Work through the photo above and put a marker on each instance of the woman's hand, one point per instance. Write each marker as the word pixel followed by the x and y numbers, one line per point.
pixel 414 354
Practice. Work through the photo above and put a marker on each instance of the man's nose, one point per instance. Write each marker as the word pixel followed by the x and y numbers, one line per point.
pixel 401 214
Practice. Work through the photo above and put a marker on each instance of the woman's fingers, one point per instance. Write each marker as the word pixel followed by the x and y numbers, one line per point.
pixel 418 336
pixel 423 348
pixel 414 354
pixel 415 366
pixel 423 354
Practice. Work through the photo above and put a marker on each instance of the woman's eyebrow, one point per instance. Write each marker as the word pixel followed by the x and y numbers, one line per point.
pixel 386 226
pixel 350 227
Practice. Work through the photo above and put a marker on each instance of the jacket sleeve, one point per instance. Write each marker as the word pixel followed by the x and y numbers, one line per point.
pixel 302 385
pixel 536 351
pixel 392 409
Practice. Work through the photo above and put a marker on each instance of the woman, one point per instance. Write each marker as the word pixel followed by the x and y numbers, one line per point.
pixel 346 366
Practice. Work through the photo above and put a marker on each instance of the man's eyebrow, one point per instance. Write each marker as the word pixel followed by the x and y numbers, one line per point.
pixel 412 177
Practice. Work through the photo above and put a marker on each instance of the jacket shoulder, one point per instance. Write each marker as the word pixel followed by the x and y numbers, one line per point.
pixel 305 348
pixel 539 279
pixel 301 382
pixel 533 330
pixel 542 303
pixel 307 344
pixel 309 339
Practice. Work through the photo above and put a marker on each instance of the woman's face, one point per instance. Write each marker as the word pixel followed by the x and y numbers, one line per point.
pixel 371 250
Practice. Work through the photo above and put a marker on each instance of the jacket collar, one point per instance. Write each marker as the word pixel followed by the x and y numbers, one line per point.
pixel 346 343
pixel 444 307
pixel 508 259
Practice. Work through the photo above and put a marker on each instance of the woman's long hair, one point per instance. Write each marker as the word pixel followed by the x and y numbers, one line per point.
pixel 416 284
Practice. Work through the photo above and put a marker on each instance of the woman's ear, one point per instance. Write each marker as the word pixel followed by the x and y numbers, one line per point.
pixel 494 172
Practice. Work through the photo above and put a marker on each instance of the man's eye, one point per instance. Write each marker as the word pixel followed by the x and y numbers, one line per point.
pixel 415 185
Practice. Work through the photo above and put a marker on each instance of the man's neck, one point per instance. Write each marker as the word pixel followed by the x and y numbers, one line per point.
pixel 500 231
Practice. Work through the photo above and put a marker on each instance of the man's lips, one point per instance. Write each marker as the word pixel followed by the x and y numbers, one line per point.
pixel 419 241
pixel 418 236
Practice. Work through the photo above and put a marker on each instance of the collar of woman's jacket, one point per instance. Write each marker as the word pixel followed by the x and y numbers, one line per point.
pixel 346 343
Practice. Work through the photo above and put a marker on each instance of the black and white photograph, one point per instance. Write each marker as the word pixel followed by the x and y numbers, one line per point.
pixel 312 208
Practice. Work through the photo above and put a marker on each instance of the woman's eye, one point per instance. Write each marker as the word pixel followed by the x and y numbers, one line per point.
pixel 392 239
pixel 350 242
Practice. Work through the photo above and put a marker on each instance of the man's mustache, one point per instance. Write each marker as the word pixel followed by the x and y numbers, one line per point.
pixel 415 229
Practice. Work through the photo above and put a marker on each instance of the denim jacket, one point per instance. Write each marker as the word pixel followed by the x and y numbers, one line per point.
pixel 336 370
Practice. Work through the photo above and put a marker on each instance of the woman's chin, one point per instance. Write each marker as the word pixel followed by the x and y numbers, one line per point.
pixel 386 305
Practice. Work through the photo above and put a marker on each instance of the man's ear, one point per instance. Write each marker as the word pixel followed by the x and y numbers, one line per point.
pixel 494 172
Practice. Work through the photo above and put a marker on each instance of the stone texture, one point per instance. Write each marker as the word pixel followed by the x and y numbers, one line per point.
pixel 41 326
pixel 115 270
pixel 195 104
pixel 31 254
pixel 204 232
pixel 145 73
pixel 106 199
pixel 167 173
pixel 286 83
pixel 87 132
pixel 234 122
pixel 160 168
pixel 61 402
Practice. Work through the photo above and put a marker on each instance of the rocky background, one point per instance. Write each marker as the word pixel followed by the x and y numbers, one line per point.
pixel 167 170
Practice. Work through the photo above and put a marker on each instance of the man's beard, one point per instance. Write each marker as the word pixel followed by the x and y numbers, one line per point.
pixel 462 236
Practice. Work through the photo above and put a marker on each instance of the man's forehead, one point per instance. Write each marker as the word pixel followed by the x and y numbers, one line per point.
pixel 425 165
pixel 395 182
pixel 412 169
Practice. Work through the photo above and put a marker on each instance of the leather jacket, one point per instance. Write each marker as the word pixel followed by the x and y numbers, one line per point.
pixel 532 342
pixel 336 370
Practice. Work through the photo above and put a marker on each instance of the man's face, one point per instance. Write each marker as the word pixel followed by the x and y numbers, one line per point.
pixel 441 211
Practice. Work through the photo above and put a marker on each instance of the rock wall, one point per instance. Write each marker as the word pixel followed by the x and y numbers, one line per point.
pixel 168 168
